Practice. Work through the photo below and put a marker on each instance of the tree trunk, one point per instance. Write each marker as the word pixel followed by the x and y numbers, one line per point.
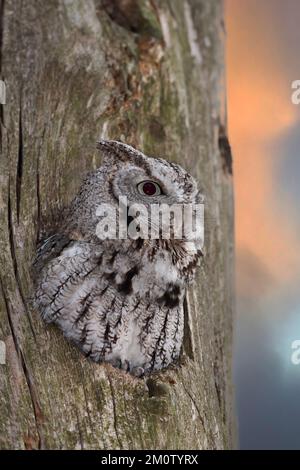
pixel 150 73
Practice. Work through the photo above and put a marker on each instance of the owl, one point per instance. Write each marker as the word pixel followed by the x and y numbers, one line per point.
pixel 120 300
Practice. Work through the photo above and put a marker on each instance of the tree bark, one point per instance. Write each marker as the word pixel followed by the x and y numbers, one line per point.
pixel 150 73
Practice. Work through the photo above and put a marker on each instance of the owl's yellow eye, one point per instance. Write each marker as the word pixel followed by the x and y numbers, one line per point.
pixel 149 188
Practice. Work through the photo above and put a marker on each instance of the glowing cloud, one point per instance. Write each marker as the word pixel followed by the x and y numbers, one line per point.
pixel 260 109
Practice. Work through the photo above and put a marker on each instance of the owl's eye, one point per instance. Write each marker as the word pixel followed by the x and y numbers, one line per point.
pixel 149 188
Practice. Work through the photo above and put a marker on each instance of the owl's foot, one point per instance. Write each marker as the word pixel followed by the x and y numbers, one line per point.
pixel 126 366
pixel 138 372
pixel 117 363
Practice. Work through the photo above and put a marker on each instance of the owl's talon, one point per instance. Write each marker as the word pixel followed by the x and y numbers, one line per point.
pixel 138 372
pixel 117 363
pixel 124 365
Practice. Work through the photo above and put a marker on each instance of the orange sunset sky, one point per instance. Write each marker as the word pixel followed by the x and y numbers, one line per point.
pixel 259 112
pixel 262 61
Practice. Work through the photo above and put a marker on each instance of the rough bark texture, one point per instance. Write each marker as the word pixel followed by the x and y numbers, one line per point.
pixel 150 73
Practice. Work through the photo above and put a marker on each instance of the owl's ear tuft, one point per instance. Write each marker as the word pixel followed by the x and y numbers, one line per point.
pixel 113 150
pixel 107 148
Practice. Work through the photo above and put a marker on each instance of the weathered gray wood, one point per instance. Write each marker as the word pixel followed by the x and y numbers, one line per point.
pixel 149 72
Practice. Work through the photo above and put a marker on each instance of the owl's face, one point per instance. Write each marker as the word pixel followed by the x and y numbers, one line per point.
pixel 148 180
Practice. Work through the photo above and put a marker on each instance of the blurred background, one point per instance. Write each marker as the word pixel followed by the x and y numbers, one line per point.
pixel 263 58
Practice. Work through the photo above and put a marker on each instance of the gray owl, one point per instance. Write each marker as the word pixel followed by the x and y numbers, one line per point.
pixel 120 300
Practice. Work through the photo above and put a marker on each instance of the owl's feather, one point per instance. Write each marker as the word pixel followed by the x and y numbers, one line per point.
pixel 120 301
